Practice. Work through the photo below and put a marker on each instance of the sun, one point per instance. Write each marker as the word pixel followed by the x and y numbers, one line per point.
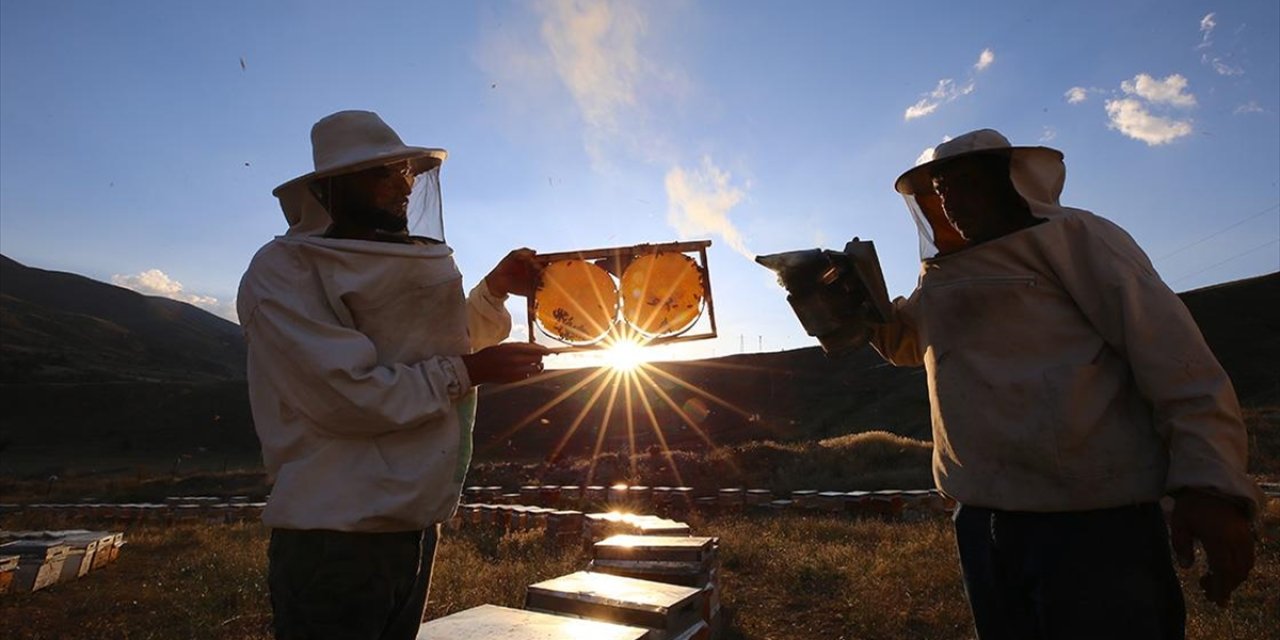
pixel 625 355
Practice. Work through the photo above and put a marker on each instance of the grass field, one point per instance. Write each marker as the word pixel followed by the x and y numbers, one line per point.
pixel 789 576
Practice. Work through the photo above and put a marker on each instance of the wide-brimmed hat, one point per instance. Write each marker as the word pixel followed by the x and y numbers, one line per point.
pixel 981 141
pixel 350 141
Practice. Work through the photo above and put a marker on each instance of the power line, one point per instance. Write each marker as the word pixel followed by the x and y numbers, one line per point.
pixel 1218 264
pixel 1220 232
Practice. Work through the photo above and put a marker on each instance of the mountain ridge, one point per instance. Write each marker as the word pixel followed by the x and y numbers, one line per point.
pixel 70 382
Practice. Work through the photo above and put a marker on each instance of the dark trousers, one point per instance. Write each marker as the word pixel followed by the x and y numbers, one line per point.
pixel 357 586
pixel 1086 574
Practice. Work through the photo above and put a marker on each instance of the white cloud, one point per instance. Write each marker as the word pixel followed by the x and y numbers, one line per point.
pixel 985 59
pixel 699 202
pixel 946 91
pixel 1167 91
pixel 1217 62
pixel 1130 117
pixel 928 153
pixel 1207 23
pixel 1048 134
pixel 1224 69
pixel 587 66
pixel 1076 95
pixel 154 282
pixel 1251 106
pixel 593 49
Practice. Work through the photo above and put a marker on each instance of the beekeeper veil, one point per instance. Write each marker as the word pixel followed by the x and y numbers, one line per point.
pixel 1037 174
pixel 388 183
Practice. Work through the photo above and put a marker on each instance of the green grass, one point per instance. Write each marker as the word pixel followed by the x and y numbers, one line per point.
pixel 787 576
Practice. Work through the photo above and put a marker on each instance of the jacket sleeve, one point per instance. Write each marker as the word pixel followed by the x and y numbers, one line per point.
pixel 898 341
pixel 1194 406
pixel 329 373
pixel 488 321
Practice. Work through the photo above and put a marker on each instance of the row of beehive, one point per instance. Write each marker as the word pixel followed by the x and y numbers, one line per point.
pixel 168 512
pixel 33 560
pixel 636 587
pixel 564 525
pixel 885 503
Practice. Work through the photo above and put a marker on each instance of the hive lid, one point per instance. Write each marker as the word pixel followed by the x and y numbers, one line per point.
pixel 616 591
pixel 491 622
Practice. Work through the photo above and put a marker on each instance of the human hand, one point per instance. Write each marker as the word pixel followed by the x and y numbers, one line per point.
pixel 1222 528
pixel 514 274
pixel 506 362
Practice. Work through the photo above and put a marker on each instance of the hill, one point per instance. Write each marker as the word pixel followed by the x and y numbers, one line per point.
pixel 62 327
pixel 95 372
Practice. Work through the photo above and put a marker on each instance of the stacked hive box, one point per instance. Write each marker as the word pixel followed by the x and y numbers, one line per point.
pixel 8 571
pixel 670 612
pixel 490 622
pixel 687 561
pixel 39 562
pixel 82 549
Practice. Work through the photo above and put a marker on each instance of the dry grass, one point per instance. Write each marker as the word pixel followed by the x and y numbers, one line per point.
pixel 790 576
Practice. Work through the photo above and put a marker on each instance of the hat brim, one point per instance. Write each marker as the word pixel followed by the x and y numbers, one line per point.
pixel 423 159
pixel 920 176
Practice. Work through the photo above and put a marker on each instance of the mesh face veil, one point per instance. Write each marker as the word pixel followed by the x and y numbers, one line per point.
pixel 425 214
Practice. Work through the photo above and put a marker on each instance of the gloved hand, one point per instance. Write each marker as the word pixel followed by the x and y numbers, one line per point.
pixel 515 273
pixel 1222 527
pixel 506 362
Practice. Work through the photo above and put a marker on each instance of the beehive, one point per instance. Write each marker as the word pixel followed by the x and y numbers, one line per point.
pixel 491 622
pixel 671 612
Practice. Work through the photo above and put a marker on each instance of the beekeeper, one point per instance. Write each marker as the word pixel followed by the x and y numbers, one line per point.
pixel 1071 391
pixel 363 361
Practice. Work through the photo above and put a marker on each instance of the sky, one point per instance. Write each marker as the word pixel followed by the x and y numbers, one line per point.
pixel 140 141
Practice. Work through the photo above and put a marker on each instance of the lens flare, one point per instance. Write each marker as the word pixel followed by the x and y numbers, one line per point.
pixel 625 355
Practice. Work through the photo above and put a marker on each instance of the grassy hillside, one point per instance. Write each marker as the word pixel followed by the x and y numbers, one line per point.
pixel 62 327
pixel 789 576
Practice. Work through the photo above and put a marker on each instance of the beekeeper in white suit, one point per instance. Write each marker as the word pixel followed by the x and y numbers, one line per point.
pixel 363 358
pixel 1071 391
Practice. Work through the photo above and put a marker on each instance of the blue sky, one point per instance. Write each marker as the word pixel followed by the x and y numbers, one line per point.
pixel 135 148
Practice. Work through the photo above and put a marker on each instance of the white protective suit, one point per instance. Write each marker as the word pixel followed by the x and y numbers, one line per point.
pixel 359 395
pixel 1063 374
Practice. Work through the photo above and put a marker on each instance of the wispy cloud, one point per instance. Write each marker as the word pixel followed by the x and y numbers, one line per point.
pixel 1076 95
pixel 1220 63
pixel 603 53
pixel 1251 106
pixel 699 201
pixel 1048 134
pixel 1223 69
pixel 154 282
pixel 947 90
pixel 1130 117
pixel 593 47
pixel 1207 24
pixel 929 152
pixel 1170 91
pixel 985 59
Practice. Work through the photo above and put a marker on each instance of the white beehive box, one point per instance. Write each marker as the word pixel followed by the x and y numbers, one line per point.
pixel 82 548
pixel 688 561
pixel 8 571
pixel 671 612
pixel 39 562
pixel 491 622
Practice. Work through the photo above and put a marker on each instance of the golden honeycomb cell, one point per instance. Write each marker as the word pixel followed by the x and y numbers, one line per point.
pixel 662 293
pixel 576 302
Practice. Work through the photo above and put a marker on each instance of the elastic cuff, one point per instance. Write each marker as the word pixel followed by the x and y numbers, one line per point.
pixel 488 293
pixel 460 382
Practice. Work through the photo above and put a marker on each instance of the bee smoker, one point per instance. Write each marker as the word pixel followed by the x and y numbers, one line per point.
pixel 837 295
